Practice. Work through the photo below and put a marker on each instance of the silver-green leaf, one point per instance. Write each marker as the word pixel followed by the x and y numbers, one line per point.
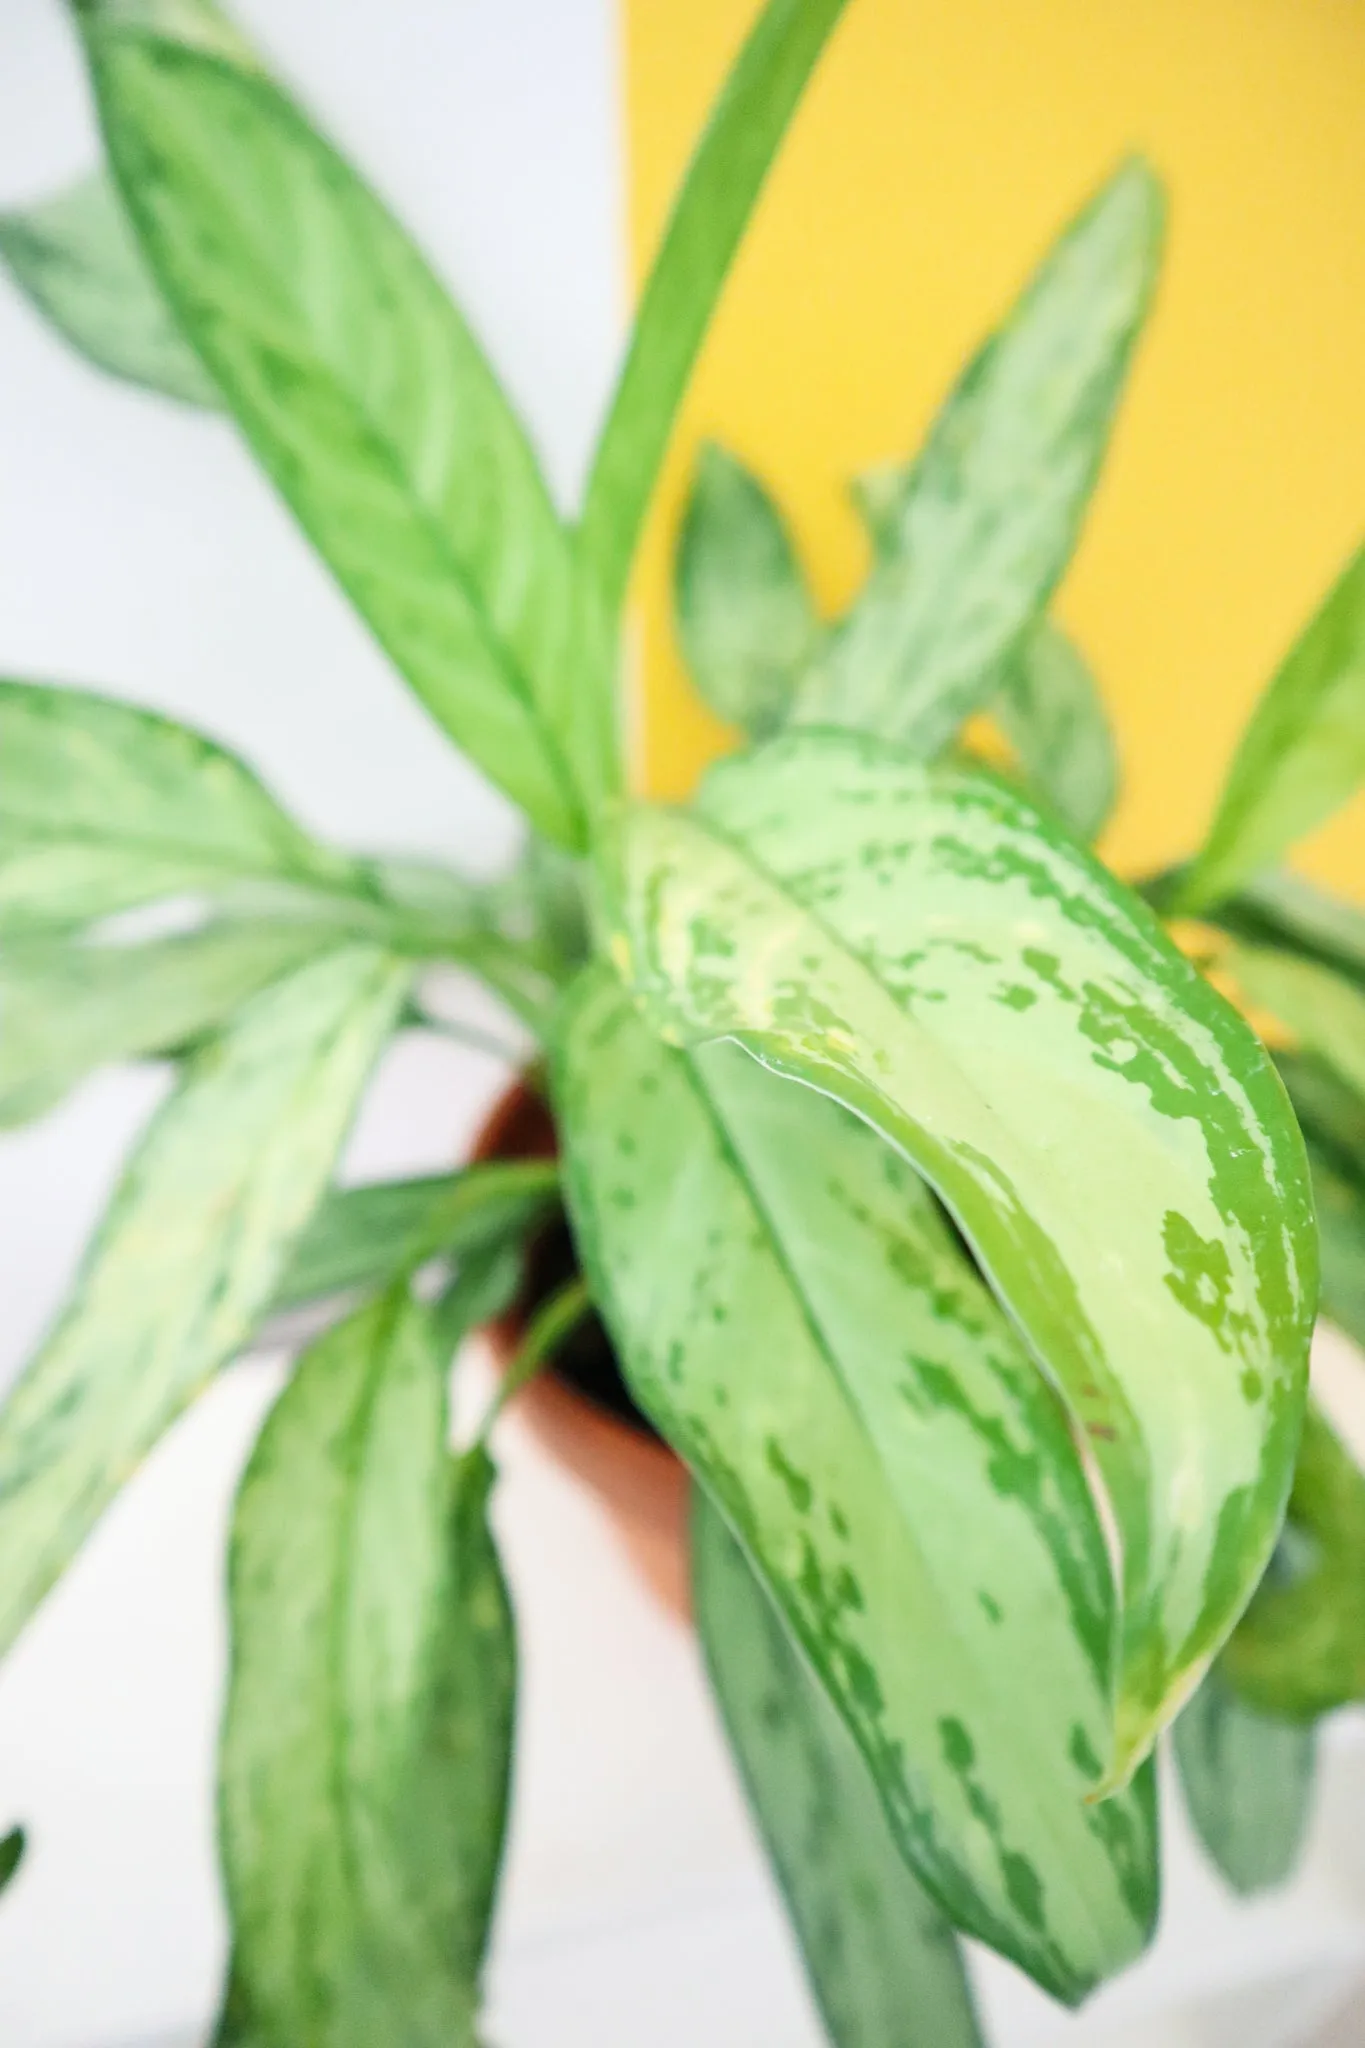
pixel 745 616
pixel 1050 710
pixel 103 807
pixel 1325 1012
pixel 988 514
pixel 190 1252
pixel 76 260
pixel 366 397
pixel 1302 755
pixel 67 1008
pixel 1248 1784
pixel 367 1737
pixel 1112 1138
pixel 883 1963
pixel 817 1347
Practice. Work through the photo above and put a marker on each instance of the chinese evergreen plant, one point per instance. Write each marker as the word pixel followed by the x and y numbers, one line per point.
pixel 949 1224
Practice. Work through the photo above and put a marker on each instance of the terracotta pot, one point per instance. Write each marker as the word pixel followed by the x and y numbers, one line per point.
pixel 637 1479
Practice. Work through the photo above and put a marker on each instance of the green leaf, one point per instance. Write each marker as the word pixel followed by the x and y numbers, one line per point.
pixel 1325 1013
pixel 366 1237
pixel 367 399
pixel 189 1253
pixel 1282 909
pixel 819 1350
pixel 1332 1118
pixel 75 259
pixel 1301 756
pixel 745 616
pixel 989 512
pixel 103 807
pixel 883 1964
pixel 1111 1137
pixel 1050 710
pixel 69 1008
pixel 368 1730
pixel 11 1856
pixel 709 216
pixel 1299 1651
pixel 1248 1784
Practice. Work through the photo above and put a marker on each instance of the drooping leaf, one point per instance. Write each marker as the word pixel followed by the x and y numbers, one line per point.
pixel 1299 1651
pixel 745 616
pixel 882 1961
pixel 367 1737
pixel 1050 710
pixel 11 1856
pixel 709 216
pixel 65 1009
pixel 366 397
pixel 1248 1784
pixel 1301 756
pixel 188 1255
pixel 103 807
pixel 923 945
pixel 366 1237
pixel 817 1347
pixel 1325 1012
pixel 75 258
pixel 989 512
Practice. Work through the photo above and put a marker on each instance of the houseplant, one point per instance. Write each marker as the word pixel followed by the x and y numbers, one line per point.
pixel 769 1042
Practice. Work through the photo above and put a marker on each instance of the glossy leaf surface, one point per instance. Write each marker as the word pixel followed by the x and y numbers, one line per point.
pixel 821 1353
pixel 1302 754
pixel 1050 710
pixel 103 807
pixel 990 510
pixel 1109 1134
pixel 75 258
pixel 189 1253
pixel 1248 1784
pixel 366 397
pixel 369 1236
pixel 710 213
pixel 368 1730
pixel 882 1961
pixel 65 1009
pixel 745 616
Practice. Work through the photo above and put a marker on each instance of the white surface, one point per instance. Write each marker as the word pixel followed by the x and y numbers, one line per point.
pixel 139 551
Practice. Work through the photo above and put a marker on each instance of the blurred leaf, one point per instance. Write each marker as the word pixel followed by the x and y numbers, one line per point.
pixel 883 1962
pixel 1301 756
pixel 1248 1784
pixel 75 258
pixel 1325 1013
pixel 989 512
pixel 1299 1651
pixel 1332 1118
pixel 189 1253
pixel 1050 710
pixel 366 1237
pixel 103 807
pixel 923 945
pixel 366 397
pixel 1282 909
pixel 11 1856
pixel 745 617
pixel 69 1008
pixel 710 213
pixel 368 1731
pixel 900 1473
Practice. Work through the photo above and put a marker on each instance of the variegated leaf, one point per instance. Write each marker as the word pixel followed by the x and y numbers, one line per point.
pixel 74 257
pixel 1301 756
pixel 1109 1134
pixel 745 616
pixel 988 514
pixel 814 1343
pixel 882 1961
pixel 1051 712
pixel 366 397
pixel 189 1254
pixel 709 216
pixel 367 1738
pixel 1248 1784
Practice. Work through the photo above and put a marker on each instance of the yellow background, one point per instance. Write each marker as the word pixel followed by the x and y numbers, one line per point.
pixel 938 151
